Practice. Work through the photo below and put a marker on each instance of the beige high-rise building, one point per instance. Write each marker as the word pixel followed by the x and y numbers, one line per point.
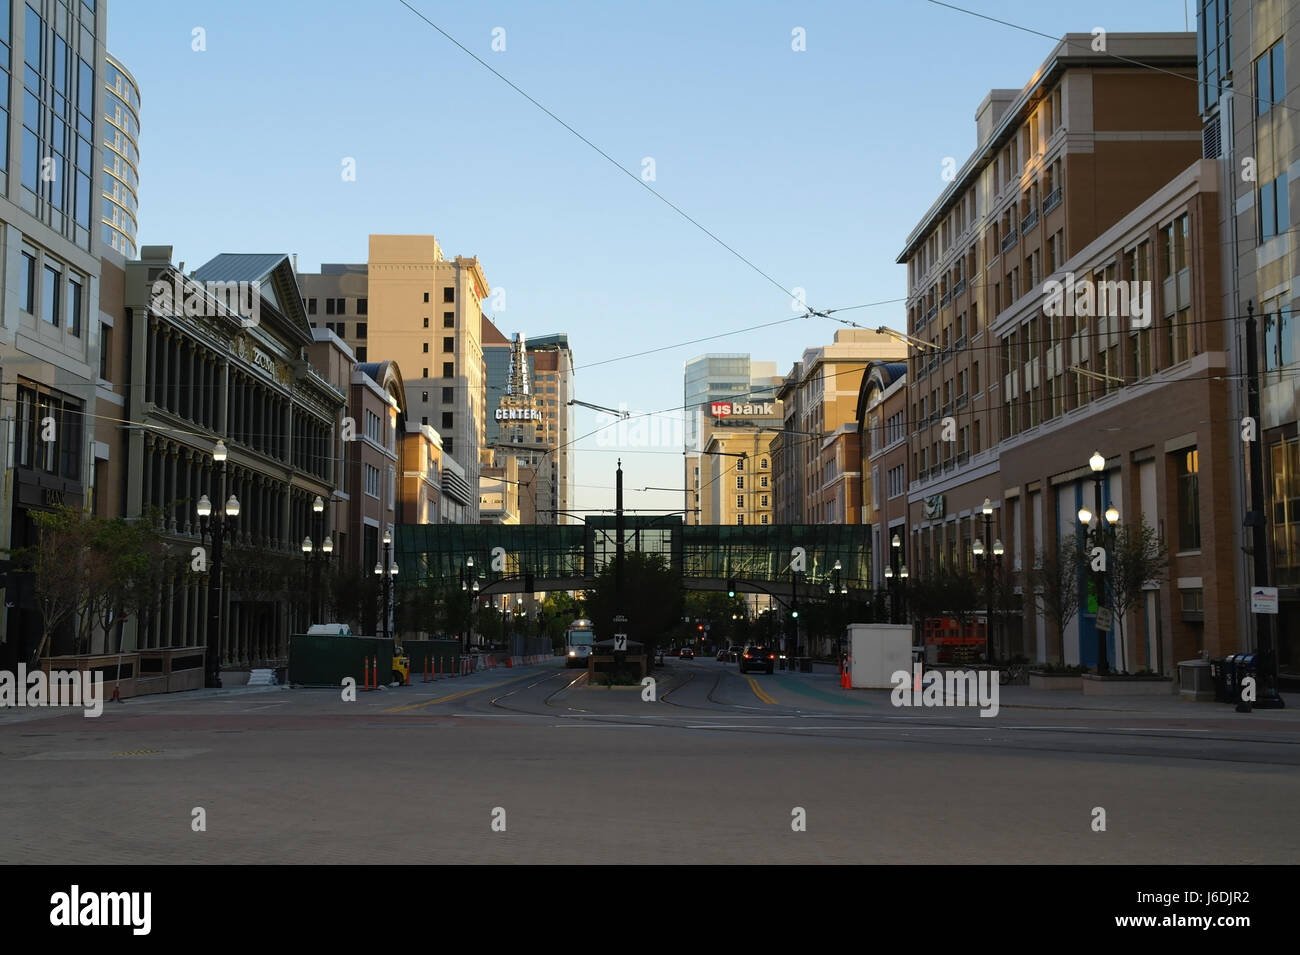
pixel 819 398
pixel 409 303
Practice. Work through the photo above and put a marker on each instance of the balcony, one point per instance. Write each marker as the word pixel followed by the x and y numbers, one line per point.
pixel 934 363
pixel 959 287
pixel 1029 221
pixel 1010 239
pixel 947 355
pixel 947 297
pixel 933 311
pixel 962 401
pixel 961 343
pixel 1052 201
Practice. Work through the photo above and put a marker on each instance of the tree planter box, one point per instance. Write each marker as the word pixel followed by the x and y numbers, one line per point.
pixel 106 664
pixel 1055 681
pixel 1094 685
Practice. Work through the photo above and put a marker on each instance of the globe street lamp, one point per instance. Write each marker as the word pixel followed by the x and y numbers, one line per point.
pixel 219 527
pixel 1097 464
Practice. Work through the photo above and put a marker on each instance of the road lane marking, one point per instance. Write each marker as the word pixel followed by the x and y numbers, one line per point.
pixel 454 696
pixel 759 691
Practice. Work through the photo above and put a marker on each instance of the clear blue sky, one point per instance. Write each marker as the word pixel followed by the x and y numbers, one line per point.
pixel 814 165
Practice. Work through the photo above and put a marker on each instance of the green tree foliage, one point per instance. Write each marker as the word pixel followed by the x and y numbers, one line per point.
pixel 652 600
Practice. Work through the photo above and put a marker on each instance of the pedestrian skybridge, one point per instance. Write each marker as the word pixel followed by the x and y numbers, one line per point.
pixel 780 558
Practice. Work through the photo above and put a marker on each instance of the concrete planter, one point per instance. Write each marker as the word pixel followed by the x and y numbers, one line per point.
pixel 1094 685
pixel 1055 681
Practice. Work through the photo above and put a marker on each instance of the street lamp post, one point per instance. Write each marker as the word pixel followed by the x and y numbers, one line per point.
pixel 469 586
pixel 838 587
pixel 1097 464
pixel 219 526
pixel 318 521
pixel 987 511
pixel 387 570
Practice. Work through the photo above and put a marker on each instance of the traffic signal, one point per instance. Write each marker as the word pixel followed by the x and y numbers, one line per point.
pixel 731 587
pixel 794 613
pixel 700 627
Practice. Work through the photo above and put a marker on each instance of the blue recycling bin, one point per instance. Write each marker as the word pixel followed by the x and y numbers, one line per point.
pixel 1246 667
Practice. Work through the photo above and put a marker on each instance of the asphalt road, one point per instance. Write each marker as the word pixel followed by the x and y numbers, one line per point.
pixel 527 765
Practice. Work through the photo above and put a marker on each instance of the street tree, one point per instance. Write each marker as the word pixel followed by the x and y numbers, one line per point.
pixel 1055 581
pixel 1139 560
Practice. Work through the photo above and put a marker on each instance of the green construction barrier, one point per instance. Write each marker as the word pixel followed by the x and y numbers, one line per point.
pixel 326 661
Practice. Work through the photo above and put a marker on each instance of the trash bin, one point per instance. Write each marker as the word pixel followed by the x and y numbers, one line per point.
pixel 1246 668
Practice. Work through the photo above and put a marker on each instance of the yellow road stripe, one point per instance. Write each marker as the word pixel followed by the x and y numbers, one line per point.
pixel 452 696
pixel 759 691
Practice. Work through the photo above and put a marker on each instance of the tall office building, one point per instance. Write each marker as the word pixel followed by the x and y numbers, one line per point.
pixel 1249 100
pixel 708 379
pixel 550 363
pixel 411 304
pixel 121 173
pixel 53 58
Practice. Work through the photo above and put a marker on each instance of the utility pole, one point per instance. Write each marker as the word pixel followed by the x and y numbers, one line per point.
pixel 1268 698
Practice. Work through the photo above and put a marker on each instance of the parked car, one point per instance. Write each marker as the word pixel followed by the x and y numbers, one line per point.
pixel 723 655
pixel 733 652
pixel 687 653
pixel 757 658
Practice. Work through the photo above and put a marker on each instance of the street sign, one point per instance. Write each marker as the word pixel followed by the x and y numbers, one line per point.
pixel 620 643
pixel 1263 600
pixel 1104 619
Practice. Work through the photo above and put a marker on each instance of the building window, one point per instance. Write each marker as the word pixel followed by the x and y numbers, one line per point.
pixel 740 464
pixel 1279 337
pixel 447 420
pixel 424 419
pixel 448 369
pixel 1189 500
pixel 762 480
pixel 329 306
pixel 424 347
pixel 426 296
pixel 361 353
pixel 362 328
pixel 740 500
pixel 363 305
pixel 448 319
pixel 449 294
pixel 426 322
pixel 449 344
pixel 106 352
pixel 763 463
pixel 1274 208
pixel 448 395
pixel 740 520
pixel 311 306
pixel 1270 79
pixel 50 297
pixel 763 501
pixel 28 291
pixel 343 306
pixel 740 483
pixel 424 396
pixel 424 372
pixel 372 481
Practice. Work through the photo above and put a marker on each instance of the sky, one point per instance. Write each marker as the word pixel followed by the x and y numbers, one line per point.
pixel 813 165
